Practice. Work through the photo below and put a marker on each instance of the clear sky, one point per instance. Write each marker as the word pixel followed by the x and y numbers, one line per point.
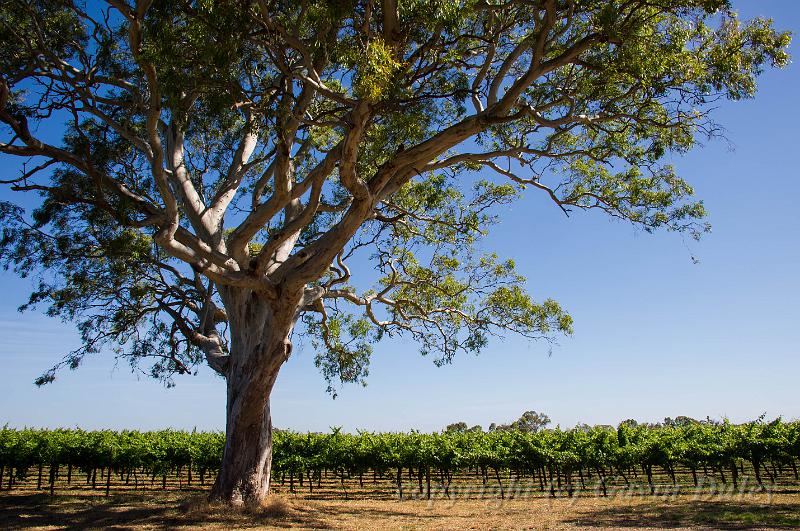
pixel 655 334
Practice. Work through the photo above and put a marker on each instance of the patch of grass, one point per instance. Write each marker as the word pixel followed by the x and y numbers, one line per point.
pixel 165 511
pixel 175 510
pixel 275 508
pixel 783 513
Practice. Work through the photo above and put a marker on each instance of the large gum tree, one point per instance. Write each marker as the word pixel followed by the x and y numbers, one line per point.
pixel 200 175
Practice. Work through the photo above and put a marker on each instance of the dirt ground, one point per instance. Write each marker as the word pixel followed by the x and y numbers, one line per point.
pixel 180 510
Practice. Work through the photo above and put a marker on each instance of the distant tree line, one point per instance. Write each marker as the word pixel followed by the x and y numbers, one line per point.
pixel 533 421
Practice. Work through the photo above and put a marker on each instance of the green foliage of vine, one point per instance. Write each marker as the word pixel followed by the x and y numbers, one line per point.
pixel 692 445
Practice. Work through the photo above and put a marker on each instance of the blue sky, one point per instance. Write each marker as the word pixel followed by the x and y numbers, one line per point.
pixel 655 334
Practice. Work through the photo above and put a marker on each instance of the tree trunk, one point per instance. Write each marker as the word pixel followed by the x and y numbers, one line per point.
pixel 260 345
pixel 428 482
pixel 756 468
pixel 499 482
pixel 53 472
pixel 400 482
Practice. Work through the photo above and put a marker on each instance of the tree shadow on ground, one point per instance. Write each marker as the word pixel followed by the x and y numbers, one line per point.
pixel 711 514
pixel 129 512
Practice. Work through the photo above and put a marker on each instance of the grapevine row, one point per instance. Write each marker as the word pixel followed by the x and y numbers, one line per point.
pixel 768 449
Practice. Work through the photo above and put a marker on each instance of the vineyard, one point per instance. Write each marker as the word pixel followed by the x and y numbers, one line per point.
pixel 594 461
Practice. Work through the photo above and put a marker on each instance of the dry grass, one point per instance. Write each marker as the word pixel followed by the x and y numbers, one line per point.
pixel 274 509
pixel 174 510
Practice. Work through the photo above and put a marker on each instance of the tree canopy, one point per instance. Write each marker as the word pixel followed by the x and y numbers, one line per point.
pixel 176 150
pixel 528 422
